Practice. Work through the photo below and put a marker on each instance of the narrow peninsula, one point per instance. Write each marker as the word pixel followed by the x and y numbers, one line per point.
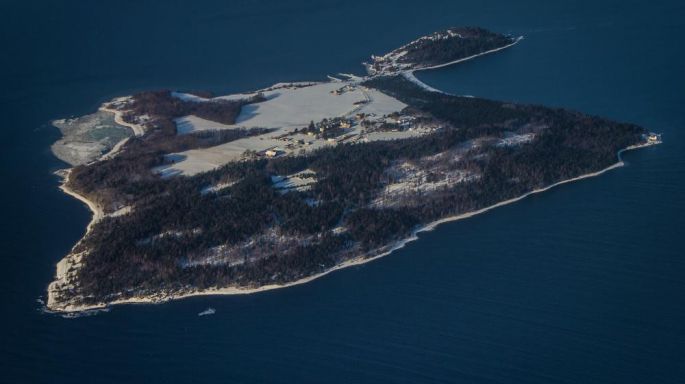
pixel 196 194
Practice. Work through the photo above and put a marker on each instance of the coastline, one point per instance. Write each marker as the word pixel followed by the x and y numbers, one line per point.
pixel 98 213
pixel 516 41
pixel 119 119
pixel 72 260
pixel 409 74
pixel 66 265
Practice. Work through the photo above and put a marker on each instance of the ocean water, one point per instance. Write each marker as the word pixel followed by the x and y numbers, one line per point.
pixel 582 284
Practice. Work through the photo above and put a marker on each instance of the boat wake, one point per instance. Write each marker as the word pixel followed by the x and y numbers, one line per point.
pixel 207 312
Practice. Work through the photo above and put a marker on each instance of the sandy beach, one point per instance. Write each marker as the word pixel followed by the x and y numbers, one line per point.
pixel 98 213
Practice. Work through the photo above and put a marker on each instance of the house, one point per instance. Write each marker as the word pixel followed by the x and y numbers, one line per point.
pixel 272 152
pixel 406 120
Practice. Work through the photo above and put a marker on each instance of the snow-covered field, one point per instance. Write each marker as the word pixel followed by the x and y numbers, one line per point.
pixel 189 124
pixel 287 108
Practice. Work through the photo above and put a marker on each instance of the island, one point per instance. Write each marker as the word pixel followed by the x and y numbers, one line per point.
pixel 197 194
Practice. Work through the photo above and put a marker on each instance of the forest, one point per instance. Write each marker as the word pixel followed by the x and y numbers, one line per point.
pixel 163 105
pixel 470 41
pixel 174 222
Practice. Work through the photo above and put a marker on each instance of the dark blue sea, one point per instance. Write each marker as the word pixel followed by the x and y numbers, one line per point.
pixel 581 284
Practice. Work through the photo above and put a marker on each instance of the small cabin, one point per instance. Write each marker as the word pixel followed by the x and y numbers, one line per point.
pixel 272 152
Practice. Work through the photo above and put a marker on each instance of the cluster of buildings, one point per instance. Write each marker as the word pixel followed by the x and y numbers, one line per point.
pixel 394 122
pixel 404 121
pixel 329 127
pixel 341 90
pixel 339 130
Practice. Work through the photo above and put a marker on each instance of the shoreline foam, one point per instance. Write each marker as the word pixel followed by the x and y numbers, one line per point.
pixel 162 298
